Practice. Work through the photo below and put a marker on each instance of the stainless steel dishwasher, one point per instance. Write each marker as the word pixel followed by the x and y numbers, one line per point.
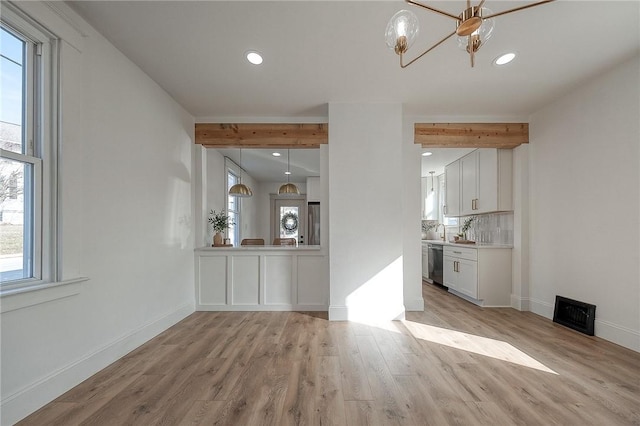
pixel 436 263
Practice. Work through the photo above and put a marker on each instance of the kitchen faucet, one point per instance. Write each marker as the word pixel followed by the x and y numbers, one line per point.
pixel 444 231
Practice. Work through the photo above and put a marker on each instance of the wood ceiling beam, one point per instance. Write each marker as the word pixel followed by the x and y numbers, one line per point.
pixel 471 135
pixel 268 135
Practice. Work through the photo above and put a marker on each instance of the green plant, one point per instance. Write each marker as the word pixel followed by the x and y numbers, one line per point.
pixel 220 221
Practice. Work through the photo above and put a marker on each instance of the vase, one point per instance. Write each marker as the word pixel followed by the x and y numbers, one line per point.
pixel 217 239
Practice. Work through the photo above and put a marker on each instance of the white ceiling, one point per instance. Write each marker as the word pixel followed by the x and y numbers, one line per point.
pixel 264 167
pixel 316 52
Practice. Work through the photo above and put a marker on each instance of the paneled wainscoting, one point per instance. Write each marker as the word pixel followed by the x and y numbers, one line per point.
pixel 455 363
pixel 269 278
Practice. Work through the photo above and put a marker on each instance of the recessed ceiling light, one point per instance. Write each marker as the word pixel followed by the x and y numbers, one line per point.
pixel 426 154
pixel 254 57
pixel 276 154
pixel 504 59
pixel 287 172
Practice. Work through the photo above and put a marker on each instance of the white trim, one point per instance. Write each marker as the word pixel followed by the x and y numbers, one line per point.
pixel 415 305
pixel 542 308
pixel 33 396
pixel 606 330
pixel 338 313
pixel 344 313
pixel 618 334
pixel 38 292
pixel 60 19
pixel 520 303
pixel 261 308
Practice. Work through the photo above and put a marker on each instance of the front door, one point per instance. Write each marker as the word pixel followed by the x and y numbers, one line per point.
pixel 288 219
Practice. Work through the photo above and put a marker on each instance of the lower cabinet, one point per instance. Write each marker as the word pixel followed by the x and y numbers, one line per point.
pixel 481 275
pixel 425 262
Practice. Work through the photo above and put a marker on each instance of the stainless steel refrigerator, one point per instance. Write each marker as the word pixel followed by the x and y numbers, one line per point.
pixel 313 224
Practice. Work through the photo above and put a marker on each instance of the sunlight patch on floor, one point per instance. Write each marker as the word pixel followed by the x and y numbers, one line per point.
pixel 476 344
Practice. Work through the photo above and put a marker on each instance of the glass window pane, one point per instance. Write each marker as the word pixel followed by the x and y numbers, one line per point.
pixel 232 232
pixel 12 90
pixel 16 224
pixel 289 220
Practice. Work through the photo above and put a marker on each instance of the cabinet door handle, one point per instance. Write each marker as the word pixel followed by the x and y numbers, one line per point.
pixel 444 209
pixel 457 252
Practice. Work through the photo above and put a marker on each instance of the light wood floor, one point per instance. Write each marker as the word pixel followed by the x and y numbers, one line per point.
pixel 455 363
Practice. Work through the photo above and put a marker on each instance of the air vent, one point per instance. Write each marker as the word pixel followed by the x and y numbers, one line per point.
pixel 577 315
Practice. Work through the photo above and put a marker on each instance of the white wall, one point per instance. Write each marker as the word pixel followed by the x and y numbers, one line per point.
pixel 412 218
pixel 366 211
pixel 127 225
pixel 584 202
pixel 214 186
pixel 520 252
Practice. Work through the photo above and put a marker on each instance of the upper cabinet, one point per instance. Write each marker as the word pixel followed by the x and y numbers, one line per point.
pixel 452 189
pixel 313 189
pixel 480 182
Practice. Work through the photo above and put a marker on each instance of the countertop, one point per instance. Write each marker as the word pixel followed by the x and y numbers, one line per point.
pixel 260 248
pixel 475 246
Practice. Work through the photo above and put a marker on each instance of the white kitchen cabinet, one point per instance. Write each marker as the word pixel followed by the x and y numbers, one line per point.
pixel 452 189
pixel 468 183
pixel 480 182
pixel 313 189
pixel 480 275
pixel 425 261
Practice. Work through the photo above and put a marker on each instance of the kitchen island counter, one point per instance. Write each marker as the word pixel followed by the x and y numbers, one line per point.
pixel 476 246
pixel 262 278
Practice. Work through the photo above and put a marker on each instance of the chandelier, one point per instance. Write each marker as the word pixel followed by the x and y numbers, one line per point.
pixel 474 26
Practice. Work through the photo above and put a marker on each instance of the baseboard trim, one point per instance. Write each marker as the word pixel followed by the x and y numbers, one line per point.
pixel 542 308
pixel 338 313
pixel 606 330
pixel 520 303
pixel 262 308
pixel 33 396
pixel 415 305
pixel 618 334
pixel 345 313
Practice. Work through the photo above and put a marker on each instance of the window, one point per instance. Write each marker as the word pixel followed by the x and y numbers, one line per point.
pixel 233 209
pixel 27 154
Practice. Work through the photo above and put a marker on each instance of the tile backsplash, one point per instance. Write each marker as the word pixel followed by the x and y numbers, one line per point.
pixel 493 228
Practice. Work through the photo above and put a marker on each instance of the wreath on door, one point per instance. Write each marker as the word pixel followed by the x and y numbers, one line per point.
pixel 289 222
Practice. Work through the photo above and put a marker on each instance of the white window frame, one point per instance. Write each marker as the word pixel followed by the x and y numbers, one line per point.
pixel 41 138
pixel 231 167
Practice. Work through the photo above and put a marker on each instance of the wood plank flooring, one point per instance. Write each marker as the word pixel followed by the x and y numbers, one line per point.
pixel 454 364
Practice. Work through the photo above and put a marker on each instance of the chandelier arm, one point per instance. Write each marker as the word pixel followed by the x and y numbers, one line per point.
pixel 425 52
pixel 479 6
pixel 472 55
pixel 517 9
pixel 448 15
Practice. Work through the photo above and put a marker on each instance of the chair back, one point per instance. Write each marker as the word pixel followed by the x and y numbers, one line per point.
pixel 252 242
pixel 284 242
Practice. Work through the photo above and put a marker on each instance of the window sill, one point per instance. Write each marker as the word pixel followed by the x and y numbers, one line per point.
pixel 37 293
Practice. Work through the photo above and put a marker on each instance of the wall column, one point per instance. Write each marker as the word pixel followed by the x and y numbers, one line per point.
pixel 365 211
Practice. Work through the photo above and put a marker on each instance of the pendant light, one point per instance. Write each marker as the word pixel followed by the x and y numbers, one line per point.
pixel 288 188
pixel 240 189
